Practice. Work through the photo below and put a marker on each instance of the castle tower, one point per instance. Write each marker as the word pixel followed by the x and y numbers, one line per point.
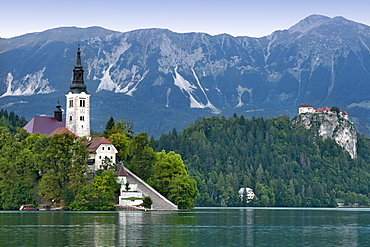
pixel 78 102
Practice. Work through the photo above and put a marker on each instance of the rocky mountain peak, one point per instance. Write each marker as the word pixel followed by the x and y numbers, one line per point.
pixel 309 23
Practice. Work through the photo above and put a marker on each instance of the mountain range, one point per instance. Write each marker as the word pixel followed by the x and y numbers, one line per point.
pixel 160 80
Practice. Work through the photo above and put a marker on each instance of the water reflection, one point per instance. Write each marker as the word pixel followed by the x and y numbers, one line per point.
pixel 126 232
pixel 201 227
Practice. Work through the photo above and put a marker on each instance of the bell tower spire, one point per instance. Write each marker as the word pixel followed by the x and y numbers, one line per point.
pixel 78 102
pixel 78 84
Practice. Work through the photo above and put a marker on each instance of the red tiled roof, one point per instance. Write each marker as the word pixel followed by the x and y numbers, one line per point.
pixel 61 130
pixel 43 125
pixel 122 172
pixel 306 105
pixel 323 109
pixel 95 142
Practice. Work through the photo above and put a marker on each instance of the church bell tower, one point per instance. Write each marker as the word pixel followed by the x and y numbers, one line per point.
pixel 78 102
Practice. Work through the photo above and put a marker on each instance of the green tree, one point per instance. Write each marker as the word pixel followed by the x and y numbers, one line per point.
pixel 147 202
pixel 172 180
pixel 105 188
pixel 18 172
pixel 351 199
pixel 141 156
pixel 64 165
pixel 182 191
pixel 122 144
pixel 110 124
pixel 99 195
pixel 335 109
pixel 126 127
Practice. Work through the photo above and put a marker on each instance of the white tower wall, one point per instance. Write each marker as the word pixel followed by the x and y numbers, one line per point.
pixel 78 113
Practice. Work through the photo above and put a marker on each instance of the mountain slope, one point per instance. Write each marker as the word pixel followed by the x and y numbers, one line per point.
pixel 162 80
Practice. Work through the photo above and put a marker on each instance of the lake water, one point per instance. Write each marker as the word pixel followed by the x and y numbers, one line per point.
pixel 199 227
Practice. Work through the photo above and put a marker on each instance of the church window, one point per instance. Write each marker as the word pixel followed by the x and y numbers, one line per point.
pixel 70 118
pixel 82 118
pixel 70 103
pixel 102 148
pixel 108 148
pixel 100 157
pixel 82 103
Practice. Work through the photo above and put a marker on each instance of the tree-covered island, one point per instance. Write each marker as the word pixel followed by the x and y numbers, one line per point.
pixel 53 170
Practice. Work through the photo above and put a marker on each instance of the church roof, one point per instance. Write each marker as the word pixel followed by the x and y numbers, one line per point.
pixel 95 142
pixel 61 130
pixel 43 125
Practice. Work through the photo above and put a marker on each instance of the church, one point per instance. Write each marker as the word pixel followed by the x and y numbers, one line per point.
pixel 77 121
pixel 101 151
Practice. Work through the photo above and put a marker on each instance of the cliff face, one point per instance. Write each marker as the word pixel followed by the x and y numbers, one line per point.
pixel 330 125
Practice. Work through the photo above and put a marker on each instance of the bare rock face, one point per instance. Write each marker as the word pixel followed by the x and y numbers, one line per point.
pixel 331 125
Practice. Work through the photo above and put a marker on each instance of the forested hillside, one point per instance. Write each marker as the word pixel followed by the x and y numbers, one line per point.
pixel 11 121
pixel 284 166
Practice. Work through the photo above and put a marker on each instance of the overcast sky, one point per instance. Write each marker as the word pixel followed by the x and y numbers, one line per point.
pixel 255 18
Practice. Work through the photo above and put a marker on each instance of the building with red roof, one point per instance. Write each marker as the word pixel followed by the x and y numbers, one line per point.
pixel 102 153
pixel 306 108
pixel 325 109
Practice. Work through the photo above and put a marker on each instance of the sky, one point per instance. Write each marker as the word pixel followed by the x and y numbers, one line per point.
pixel 255 18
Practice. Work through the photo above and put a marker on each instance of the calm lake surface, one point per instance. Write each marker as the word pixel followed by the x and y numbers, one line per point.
pixel 200 227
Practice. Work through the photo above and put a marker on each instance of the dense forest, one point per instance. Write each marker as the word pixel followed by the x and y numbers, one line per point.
pixel 285 166
pixel 52 170
pixel 11 121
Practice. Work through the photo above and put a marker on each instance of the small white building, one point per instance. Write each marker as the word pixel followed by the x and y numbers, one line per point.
pixel 306 108
pixel 247 193
pixel 130 195
pixel 102 153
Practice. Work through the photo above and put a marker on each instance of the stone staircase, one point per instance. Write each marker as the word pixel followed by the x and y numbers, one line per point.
pixel 159 201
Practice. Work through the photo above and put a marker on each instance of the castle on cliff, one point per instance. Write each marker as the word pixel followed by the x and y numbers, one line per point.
pixel 306 108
